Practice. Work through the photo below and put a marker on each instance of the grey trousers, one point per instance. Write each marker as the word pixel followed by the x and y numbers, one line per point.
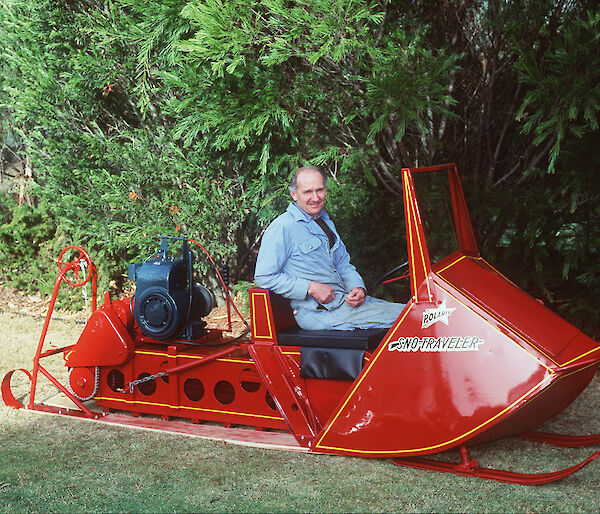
pixel 372 313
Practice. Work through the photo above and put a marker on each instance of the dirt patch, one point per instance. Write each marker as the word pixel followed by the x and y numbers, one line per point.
pixel 12 300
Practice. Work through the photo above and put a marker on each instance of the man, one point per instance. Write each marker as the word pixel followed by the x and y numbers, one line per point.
pixel 302 258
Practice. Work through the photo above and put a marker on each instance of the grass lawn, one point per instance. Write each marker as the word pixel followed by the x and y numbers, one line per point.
pixel 50 463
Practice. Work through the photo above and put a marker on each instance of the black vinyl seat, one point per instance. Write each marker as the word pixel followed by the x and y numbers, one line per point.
pixel 365 339
pixel 324 354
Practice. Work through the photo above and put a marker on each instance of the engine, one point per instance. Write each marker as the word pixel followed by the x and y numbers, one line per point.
pixel 167 303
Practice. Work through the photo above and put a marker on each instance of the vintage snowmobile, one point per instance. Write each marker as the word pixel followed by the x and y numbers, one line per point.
pixel 471 358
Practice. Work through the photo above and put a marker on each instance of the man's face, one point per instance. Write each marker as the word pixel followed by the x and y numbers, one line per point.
pixel 310 192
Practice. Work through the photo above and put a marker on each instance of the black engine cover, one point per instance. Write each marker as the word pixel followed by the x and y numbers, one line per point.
pixel 166 303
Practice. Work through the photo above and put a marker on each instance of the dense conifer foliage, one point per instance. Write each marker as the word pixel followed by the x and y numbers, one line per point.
pixel 140 118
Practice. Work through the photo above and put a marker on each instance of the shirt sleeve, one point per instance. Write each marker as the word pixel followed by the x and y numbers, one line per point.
pixel 273 253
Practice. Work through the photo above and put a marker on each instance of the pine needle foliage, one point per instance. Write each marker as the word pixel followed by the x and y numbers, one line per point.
pixel 186 117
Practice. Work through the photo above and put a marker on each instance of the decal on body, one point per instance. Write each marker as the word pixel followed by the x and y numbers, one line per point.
pixel 441 313
pixel 436 344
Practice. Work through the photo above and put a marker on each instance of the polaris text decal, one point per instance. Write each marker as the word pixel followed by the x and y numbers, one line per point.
pixel 436 344
pixel 442 313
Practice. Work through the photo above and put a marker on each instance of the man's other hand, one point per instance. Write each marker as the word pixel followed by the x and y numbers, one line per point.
pixel 321 292
pixel 355 297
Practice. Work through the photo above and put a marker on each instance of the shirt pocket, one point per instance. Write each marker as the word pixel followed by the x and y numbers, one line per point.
pixel 309 245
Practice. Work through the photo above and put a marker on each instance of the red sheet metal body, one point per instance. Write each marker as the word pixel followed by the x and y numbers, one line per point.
pixel 210 380
pixel 106 338
pixel 471 358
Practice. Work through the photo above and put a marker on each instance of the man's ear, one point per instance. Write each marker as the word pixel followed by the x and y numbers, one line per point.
pixel 293 195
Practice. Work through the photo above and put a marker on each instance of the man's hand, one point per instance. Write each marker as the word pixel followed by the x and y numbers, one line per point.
pixel 321 292
pixel 355 297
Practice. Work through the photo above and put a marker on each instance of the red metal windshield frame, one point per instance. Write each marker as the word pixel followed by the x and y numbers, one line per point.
pixel 418 250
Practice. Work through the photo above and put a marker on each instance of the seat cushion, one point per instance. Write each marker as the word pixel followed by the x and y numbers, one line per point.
pixel 366 339
pixel 331 363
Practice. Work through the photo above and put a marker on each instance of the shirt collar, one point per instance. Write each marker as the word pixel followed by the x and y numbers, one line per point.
pixel 300 215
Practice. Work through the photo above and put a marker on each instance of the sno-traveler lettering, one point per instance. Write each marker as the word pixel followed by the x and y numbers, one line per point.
pixel 302 258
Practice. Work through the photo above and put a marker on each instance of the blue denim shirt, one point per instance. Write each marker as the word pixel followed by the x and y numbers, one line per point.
pixel 295 250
